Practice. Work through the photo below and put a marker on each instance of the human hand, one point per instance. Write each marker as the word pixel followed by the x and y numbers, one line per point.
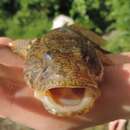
pixel 119 124
pixel 18 103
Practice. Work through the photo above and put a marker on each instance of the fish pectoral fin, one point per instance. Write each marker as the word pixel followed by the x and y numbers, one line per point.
pixel 105 59
pixel 21 47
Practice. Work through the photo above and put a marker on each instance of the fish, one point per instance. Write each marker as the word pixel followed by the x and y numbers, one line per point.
pixel 64 68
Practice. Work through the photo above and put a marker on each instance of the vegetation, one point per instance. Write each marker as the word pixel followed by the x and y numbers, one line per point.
pixel 33 18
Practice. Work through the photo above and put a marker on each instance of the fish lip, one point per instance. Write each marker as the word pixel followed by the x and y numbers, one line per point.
pixel 94 94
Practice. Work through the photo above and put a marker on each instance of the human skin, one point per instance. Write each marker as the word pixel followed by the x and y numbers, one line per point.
pixel 18 103
pixel 119 124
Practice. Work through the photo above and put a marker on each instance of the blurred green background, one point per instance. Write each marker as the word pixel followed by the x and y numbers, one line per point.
pixel 33 18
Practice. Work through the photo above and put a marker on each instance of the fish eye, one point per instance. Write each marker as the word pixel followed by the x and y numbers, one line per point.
pixel 48 55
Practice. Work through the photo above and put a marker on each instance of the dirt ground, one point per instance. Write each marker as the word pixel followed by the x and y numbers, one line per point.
pixel 6 124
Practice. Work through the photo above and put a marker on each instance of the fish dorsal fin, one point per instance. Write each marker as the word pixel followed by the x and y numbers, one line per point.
pixel 93 37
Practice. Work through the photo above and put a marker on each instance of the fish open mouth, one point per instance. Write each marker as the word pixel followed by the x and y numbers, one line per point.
pixel 67 97
pixel 68 101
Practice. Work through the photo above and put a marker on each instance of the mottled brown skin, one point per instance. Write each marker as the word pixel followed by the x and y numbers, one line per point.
pixel 67 54
pixel 65 57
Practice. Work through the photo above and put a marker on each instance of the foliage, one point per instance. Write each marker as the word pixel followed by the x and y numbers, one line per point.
pixel 121 16
pixel 120 13
pixel 33 18
pixel 91 13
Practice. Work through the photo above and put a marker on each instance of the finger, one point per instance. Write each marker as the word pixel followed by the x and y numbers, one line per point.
pixel 113 125
pixel 7 57
pixel 121 124
pixel 4 41
pixel 10 59
pixel 120 58
pixel 11 73
pixel 117 124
